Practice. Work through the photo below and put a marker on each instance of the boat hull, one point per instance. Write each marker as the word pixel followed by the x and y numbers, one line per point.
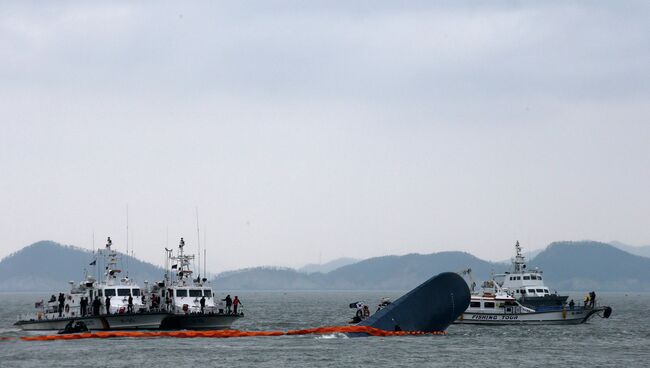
pixel 568 316
pixel 216 321
pixel 138 321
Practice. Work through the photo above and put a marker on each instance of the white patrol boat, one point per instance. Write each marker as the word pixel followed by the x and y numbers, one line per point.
pixel 99 305
pixel 190 301
pixel 527 286
pixel 500 308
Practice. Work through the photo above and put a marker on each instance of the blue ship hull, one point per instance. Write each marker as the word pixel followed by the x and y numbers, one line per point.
pixel 430 307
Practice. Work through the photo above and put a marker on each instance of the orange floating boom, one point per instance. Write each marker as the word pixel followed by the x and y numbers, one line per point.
pixel 227 333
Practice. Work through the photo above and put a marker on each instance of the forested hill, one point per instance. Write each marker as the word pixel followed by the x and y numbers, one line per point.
pixel 47 266
pixel 567 266
pixel 592 265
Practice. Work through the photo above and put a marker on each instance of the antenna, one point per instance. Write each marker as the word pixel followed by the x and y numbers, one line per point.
pixel 127 240
pixel 198 236
pixel 205 245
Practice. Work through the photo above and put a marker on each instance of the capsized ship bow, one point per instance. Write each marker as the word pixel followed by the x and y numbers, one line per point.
pixel 430 307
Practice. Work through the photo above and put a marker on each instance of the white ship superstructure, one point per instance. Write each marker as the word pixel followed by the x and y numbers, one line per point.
pixel 88 300
pixel 527 285
pixel 190 299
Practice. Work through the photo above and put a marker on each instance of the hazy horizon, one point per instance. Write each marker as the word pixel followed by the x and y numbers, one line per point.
pixel 326 129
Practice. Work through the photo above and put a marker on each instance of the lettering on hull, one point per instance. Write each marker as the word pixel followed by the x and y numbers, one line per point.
pixel 494 318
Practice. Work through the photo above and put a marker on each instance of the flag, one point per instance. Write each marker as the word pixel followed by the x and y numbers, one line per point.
pixel 93 263
pixel 174 266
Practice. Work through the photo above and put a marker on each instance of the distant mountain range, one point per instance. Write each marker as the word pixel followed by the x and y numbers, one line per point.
pixel 328 266
pixel 643 251
pixel 47 266
pixel 566 265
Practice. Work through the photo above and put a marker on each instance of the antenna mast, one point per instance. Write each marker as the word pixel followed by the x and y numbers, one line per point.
pixel 198 238
pixel 127 240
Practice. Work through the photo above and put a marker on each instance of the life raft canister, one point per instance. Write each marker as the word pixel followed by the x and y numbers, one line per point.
pixel 185 308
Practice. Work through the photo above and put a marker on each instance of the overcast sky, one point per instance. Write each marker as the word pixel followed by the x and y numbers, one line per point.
pixel 315 130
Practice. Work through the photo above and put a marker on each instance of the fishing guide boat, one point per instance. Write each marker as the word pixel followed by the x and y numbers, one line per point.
pixel 500 308
pixel 100 305
pixel 190 301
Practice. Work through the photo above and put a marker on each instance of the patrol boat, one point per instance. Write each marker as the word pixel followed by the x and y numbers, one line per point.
pixel 59 311
pixel 526 285
pixel 190 301
pixel 501 308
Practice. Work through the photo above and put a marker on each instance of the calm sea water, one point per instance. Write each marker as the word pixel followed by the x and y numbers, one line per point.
pixel 621 341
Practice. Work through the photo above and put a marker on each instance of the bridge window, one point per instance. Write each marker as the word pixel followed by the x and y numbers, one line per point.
pixel 539 290
pixel 488 304
pixel 109 292
pixel 207 293
pixel 531 290
pixel 181 293
pixel 539 277
pixel 526 277
pixel 123 292
pixel 100 292
pixel 195 293
pixel 518 277
pixel 136 292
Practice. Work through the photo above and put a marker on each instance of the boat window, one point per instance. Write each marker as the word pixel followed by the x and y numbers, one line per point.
pixel 488 304
pixel 526 277
pixel 539 290
pixel 531 290
pixel 136 292
pixel 100 292
pixel 109 292
pixel 123 292
pixel 195 293
pixel 181 293
pixel 518 277
pixel 207 293
pixel 539 277
pixel 523 291
pixel 475 304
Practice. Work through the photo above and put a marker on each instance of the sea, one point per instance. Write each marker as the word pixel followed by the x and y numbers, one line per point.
pixel 623 340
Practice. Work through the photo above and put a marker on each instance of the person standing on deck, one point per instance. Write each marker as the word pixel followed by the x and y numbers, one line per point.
pixel 228 303
pixel 107 303
pixel 129 307
pixel 61 303
pixel 96 305
pixel 82 305
pixel 235 304
pixel 202 304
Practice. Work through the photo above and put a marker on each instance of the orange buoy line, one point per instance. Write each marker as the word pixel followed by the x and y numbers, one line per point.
pixel 227 333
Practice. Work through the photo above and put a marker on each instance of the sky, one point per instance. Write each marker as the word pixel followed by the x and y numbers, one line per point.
pixel 306 131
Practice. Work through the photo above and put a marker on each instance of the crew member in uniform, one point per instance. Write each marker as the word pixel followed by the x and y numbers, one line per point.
pixel 107 302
